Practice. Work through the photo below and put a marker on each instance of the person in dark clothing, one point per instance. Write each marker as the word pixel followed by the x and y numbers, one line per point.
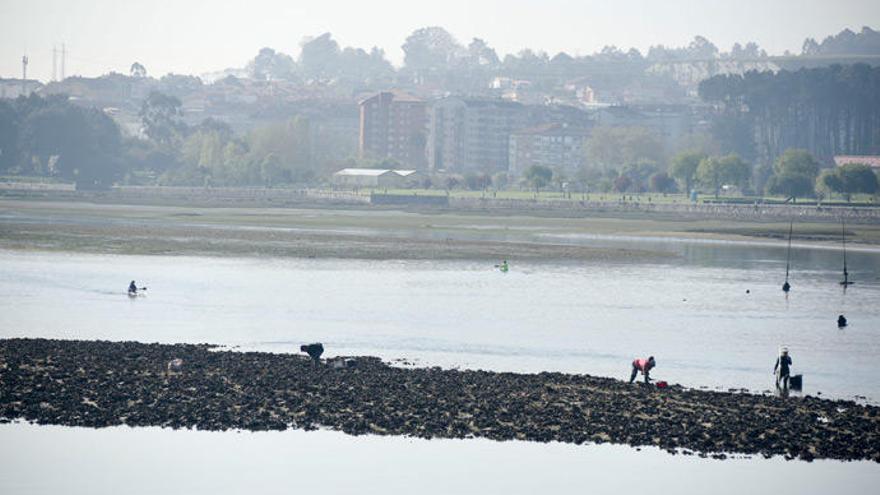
pixel 643 365
pixel 132 288
pixel 841 321
pixel 782 369
pixel 314 351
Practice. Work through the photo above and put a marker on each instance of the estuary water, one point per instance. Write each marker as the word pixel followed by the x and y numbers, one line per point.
pixel 713 315
pixel 692 312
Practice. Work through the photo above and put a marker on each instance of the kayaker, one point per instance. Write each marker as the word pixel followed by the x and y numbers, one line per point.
pixel 132 288
pixel 643 365
pixel 782 369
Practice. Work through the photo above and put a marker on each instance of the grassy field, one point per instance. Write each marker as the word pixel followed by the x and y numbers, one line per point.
pixel 658 198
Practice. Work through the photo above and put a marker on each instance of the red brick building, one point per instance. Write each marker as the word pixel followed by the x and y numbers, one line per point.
pixel 394 125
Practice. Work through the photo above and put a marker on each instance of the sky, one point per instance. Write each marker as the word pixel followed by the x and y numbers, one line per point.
pixel 198 36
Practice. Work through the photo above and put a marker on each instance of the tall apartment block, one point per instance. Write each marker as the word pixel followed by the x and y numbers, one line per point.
pixel 393 125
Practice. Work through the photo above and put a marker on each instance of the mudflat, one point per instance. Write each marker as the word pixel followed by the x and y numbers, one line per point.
pixel 100 384
pixel 366 233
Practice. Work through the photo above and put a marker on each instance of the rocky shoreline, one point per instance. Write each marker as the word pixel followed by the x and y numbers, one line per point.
pixel 100 384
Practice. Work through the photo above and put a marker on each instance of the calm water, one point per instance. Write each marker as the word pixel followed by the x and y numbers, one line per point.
pixel 692 313
pixel 51 460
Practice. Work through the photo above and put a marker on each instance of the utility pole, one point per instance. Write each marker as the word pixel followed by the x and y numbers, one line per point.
pixel 54 62
pixel 24 62
pixel 63 60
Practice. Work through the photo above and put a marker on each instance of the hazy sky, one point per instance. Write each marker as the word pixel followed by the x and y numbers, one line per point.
pixel 196 36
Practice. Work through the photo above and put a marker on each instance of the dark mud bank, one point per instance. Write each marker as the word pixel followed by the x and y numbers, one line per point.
pixel 98 384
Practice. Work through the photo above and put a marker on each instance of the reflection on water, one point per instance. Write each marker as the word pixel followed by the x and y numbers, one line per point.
pixel 52 460
pixel 693 313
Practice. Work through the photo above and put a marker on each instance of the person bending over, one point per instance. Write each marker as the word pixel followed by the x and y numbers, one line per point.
pixel 643 365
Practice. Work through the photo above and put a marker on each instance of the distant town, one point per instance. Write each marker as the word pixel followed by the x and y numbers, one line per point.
pixel 461 117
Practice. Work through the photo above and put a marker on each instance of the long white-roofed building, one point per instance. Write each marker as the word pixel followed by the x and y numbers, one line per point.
pixel 368 177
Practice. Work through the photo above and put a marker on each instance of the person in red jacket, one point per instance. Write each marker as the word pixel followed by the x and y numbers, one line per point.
pixel 643 365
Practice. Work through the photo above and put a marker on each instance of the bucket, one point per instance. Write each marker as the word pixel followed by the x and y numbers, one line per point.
pixel 797 382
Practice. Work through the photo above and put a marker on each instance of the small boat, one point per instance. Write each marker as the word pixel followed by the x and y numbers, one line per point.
pixel 846 281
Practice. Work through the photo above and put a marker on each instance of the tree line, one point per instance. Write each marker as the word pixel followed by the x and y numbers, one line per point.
pixel 828 111
pixel 53 137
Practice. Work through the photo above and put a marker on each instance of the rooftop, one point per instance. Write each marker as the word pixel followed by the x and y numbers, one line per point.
pixel 372 172
pixel 396 95
pixel 872 161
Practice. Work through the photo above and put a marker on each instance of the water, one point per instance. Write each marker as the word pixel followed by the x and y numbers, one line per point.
pixel 692 313
pixel 52 460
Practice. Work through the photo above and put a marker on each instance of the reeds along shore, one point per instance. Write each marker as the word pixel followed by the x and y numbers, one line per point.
pixel 99 384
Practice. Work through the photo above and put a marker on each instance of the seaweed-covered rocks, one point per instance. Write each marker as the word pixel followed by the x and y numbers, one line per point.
pixel 99 384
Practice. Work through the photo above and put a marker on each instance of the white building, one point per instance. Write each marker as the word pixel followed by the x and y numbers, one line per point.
pixel 371 177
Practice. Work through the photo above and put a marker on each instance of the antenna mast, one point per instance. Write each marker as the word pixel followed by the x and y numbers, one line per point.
pixel 24 63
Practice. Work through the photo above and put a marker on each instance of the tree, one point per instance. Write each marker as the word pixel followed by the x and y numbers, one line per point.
pixel 618 146
pixel 639 173
pixel 661 182
pixel 82 145
pixel 289 142
pixel 828 111
pixel 162 118
pixel 791 186
pixel 430 49
pixel 9 129
pixel 684 167
pixel 714 172
pixel 477 181
pixel 794 174
pixel 797 162
pixel 320 56
pixel 356 65
pixel 538 176
pixel 481 54
pixel 138 71
pixel 500 180
pixel 853 178
pixel 622 183
pixel 270 65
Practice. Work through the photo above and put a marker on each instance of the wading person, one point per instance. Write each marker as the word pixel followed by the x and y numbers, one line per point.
pixel 132 288
pixel 643 365
pixel 782 369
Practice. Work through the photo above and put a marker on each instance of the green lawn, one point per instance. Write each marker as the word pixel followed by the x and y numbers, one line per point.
pixel 658 198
